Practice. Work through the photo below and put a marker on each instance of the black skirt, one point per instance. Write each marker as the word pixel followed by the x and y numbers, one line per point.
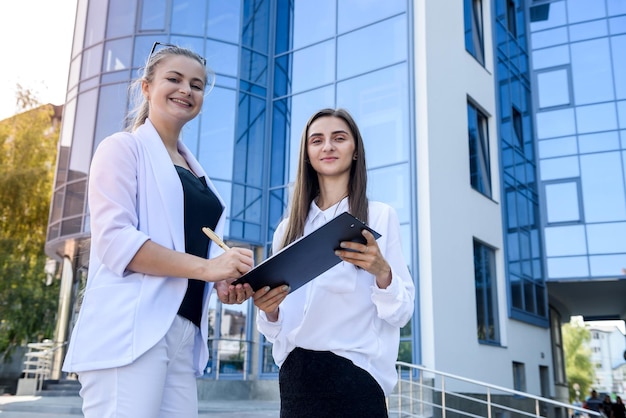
pixel 320 384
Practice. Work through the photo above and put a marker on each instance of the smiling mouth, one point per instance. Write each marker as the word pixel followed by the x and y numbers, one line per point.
pixel 182 102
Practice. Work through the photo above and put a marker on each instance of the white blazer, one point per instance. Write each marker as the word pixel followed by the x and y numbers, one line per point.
pixel 134 195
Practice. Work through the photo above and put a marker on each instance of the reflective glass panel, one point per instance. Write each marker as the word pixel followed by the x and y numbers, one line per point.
pixel 80 156
pixel 562 202
pixel 603 187
pixel 121 18
pixel 153 15
pixel 117 55
pixel 564 267
pixel 593 118
pixel 379 103
pixel 550 57
pixel 111 111
pixel 621 114
pixel 321 14
pixel 224 20
pixel 92 59
pixel 616 7
pixel 357 13
pixel 188 17
pixel 607 265
pixel 618 46
pixel 553 88
pixel 217 133
pixel 555 123
pixel 550 37
pixel 94 30
pixel 604 141
pixel 386 43
pixel 580 10
pixel 606 238
pixel 592 76
pixel 558 147
pixel 559 168
pixel 587 30
pixel 221 57
pixel 390 185
pixel 75 199
pixel 313 66
pixel 565 240
pixel 617 25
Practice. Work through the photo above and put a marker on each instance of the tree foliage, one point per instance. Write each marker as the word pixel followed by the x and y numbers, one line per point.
pixel 28 144
pixel 578 365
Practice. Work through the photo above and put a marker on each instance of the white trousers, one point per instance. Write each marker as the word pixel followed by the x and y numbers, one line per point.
pixel 159 384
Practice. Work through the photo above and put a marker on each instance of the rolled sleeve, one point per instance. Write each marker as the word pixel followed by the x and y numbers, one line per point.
pixel 113 204
pixel 271 330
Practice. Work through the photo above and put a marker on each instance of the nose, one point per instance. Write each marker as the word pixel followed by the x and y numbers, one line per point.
pixel 328 145
pixel 185 89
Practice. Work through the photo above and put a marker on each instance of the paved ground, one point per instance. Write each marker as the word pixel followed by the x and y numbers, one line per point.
pixel 69 407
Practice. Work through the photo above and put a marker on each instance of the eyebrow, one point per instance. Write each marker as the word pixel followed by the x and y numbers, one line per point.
pixel 341 131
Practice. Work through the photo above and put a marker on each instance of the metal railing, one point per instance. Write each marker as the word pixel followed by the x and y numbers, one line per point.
pixel 38 361
pixel 422 392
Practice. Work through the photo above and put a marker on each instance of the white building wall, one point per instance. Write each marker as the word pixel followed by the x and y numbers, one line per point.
pixel 451 213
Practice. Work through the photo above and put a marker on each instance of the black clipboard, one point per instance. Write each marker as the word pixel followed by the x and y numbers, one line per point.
pixel 305 259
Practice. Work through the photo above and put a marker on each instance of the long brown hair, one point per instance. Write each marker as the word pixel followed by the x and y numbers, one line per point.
pixel 139 113
pixel 307 185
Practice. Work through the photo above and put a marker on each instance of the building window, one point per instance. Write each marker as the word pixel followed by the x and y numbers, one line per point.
pixel 516 117
pixel 558 352
pixel 519 377
pixel 473 10
pixel 486 296
pixel 510 17
pixel 478 135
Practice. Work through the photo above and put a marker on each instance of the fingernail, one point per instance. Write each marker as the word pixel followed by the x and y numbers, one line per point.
pixel 285 288
pixel 266 288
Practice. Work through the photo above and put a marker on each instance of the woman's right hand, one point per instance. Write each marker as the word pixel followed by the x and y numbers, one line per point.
pixel 230 265
pixel 267 300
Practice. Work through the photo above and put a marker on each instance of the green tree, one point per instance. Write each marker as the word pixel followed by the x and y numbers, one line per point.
pixel 28 144
pixel 578 366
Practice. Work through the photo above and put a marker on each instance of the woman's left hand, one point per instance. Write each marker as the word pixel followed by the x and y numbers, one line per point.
pixel 368 257
pixel 233 294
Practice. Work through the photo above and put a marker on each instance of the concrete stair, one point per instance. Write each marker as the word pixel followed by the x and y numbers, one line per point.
pixel 66 387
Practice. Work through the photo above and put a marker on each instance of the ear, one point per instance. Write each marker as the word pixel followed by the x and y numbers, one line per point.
pixel 354 156
pixel 145 89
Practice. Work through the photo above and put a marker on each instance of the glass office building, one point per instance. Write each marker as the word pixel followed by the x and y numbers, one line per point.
pixel 444 97
pixel 579 68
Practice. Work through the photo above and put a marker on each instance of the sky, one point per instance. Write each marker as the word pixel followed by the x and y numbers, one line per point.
pixel 36 46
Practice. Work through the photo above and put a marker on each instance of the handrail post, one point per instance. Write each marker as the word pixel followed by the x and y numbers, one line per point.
pixel 488 402
pixel 443 397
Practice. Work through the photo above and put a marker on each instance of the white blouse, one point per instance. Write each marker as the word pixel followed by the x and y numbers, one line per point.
pixel 343 310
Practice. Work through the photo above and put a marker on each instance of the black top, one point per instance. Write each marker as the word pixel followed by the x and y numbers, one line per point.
pixel 202 209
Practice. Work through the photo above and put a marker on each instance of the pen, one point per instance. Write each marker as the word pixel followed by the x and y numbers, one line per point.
pixel 209 233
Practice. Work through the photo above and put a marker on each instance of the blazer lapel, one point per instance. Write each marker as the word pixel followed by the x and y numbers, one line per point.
pixel 166 181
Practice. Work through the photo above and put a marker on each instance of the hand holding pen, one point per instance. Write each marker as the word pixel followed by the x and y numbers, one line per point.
pixel 243 262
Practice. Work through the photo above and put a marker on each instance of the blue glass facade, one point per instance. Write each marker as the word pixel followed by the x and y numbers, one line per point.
pixel 520 203
pixel 580 70
pixel 272 72
pixel 278 61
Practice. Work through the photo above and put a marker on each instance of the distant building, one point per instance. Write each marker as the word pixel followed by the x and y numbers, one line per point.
pixel 608 347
